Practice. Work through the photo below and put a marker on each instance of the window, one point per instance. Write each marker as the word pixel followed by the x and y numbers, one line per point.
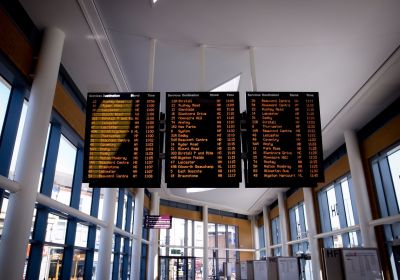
pixel 65 167
pixel 21 124
pixel 298 230
pixel 5 90
pixel 231 85
pixel 276 235
pixel 338 211
pixel 386 174
pixel 85 201
pixel 261 241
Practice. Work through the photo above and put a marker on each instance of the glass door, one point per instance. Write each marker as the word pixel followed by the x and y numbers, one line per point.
pixel 177 268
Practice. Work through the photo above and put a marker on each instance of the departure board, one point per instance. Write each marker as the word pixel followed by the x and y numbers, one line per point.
pixel 203 140
pixel 284 139
pixel 122 140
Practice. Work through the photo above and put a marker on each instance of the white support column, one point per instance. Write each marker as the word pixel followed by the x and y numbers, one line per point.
pixel 312 231
pixel 253 69
pixel 137 233
pixel 267 231
pixel 205 242
pixel 152 270
pixel 360 189
pixel 256 240
pixel 17 225
pixel 283 223
pixel 106 234
pixel 202 67
pixel 152 59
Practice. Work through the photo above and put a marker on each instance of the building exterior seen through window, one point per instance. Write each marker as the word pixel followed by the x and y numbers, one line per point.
pixel 276 236
pixel 386 175
pixel 5 90
pixel 187 236
pixel 298 230
pixel 338 211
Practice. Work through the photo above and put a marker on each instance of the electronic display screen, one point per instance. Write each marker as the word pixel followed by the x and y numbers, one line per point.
pixel 284 139
pixel 157 221
pixel 203 140
pixel 122 140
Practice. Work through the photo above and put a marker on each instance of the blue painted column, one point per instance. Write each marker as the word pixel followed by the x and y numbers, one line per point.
pixel 17 225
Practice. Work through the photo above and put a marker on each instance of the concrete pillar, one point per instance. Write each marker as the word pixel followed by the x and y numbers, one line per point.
pixel 152 269
pixel 205 242
pixel 267 231
pixel 256 240
pixel 106 234
pixel 283 223
pixel 312 231
pixel 137 232
pixel 18 220
pixel 360 189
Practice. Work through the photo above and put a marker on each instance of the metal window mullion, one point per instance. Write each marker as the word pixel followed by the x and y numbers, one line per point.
pixel 325 217
pixel 37 243
pixel 10 129
pixel 390 193
pixel 49 169
pixel 72 223
pixel 42 213
pixel 302 220
pixel 117 253
pixel 9 133
pixel 68 253
pixel 126 249
pixel 341 212
pixel 77 180
pixel 117 238
pixel 293 223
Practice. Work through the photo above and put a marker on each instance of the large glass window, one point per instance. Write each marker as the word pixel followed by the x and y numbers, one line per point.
pixel 5 90
pixel 261 241
pixel 298 230
pixel 276 235
pixel 185 238
pixel 338 211
pixel 64 171
pixel 386 172
pixel 85 201
pixel 21 124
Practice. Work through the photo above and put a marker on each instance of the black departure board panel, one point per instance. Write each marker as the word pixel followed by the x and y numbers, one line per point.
pixel 203 140
pixel 284 139
pixel 122 140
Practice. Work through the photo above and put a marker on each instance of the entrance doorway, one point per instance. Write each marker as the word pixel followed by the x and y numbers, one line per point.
pixel 176 268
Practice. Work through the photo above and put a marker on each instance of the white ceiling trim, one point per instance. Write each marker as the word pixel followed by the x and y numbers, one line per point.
pixel 364 89
pixel 94 20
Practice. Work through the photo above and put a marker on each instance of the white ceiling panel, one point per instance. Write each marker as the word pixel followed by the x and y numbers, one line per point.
pixel 338 48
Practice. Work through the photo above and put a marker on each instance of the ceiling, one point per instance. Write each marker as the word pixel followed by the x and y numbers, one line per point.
pixel 345 50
